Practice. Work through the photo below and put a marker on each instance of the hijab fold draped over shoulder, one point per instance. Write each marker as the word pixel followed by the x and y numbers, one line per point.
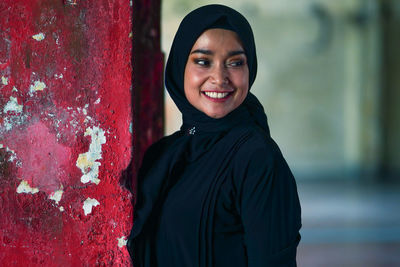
pixel 238 145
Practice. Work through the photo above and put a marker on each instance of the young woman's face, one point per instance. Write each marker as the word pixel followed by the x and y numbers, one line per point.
pixel 216 79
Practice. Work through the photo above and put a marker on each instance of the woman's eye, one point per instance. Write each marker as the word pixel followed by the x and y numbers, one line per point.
pixel 202 62
pixel 236 63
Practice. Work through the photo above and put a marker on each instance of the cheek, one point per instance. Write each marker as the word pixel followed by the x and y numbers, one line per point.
pixel 193 81
pixel 241 80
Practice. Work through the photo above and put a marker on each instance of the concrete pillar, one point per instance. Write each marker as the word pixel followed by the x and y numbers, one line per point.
pixel 66 128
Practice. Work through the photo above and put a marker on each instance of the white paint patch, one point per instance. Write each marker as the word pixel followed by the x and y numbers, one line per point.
pixel 39 36
pixel 8 124
pixel 97 101
pixel 24 187
pixel 122 241
pixel 58 76
pixel 131 128
pixel 12 105
pixel 13 155
pixel 57 195
pixel 1 146
pixel 14 89
pixel 87 162
pixel 12 120
pixel 88 204
pixel 37 86
pixel 4 80
pixel 61 208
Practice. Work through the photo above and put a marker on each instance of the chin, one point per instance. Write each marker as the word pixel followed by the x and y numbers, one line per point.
pixel 216 115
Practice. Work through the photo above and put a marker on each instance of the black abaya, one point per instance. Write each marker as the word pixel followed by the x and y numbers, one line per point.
pixel 218 192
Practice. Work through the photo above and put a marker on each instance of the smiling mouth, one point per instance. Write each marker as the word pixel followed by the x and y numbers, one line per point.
pixel 217 95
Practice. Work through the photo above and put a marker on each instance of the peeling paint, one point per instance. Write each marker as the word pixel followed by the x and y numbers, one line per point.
pixel 87 162
pixel 12 105
pixel 4 80
pixel 131 127
pixel 39 36
pixel 43 224
pixel 97 101
pixel 88 204
pixel 122 241
pixel 24 187
pixel 13 155
pixel 57 195
pixel 37 86
pixel 58 76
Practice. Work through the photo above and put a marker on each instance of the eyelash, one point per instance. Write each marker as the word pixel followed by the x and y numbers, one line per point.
pixel 205 62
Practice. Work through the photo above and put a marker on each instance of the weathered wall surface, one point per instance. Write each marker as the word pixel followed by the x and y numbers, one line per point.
pixel 65 132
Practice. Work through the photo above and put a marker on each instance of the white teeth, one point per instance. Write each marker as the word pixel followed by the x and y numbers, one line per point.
pixel 215 94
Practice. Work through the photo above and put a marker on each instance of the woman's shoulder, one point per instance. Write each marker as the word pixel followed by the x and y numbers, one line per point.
pixel 257 142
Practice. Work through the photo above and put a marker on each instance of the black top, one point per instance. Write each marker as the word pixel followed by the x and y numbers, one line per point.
pixel 246 215
pixel 218 192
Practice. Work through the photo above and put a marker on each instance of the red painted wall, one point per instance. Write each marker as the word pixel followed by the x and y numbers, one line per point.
pixel 66 130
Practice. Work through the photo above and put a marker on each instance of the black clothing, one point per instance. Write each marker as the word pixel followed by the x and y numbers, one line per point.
pixel 218 192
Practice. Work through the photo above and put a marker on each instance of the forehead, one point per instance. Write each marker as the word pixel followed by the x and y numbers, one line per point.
pixel 218 38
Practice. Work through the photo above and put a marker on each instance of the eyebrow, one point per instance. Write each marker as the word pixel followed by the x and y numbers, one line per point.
pixel 209 52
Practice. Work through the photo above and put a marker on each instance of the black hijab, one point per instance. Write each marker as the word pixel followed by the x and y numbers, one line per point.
pixel 199 134
pixel 191 27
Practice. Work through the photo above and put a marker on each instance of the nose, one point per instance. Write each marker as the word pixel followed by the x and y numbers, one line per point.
pixel 219 74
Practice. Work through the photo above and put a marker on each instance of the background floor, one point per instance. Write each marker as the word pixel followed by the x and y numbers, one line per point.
pixel 349 224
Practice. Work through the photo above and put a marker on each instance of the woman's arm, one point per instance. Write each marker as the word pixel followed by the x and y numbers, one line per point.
pixel 269 208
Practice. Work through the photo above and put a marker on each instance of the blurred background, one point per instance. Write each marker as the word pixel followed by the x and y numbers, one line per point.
pixel 329 81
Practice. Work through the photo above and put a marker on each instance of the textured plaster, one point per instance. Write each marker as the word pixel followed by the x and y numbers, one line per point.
pixel 57 61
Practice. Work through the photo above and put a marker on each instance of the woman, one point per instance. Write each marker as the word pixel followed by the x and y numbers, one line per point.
pixel 218 192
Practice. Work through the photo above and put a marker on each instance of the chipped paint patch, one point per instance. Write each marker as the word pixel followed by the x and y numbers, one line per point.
pixel 4 80
pixel 61 208
pixel 58 76
pixel 8 124
pixel 97 101
pixel 122 241
pixel 39 37
pixel 131 128
pixel 12 105
pixel 11 121
pixel 37 86
pixel 88 204
pixel 13 155
pixel 1 146
pixel 57 195
pixel 24 187
pixel 14 89
pixel 87 162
